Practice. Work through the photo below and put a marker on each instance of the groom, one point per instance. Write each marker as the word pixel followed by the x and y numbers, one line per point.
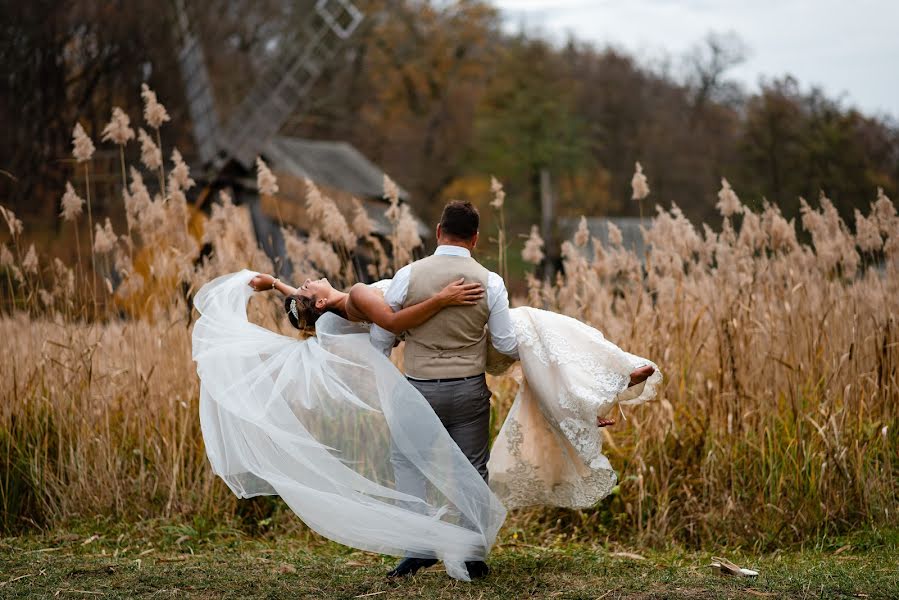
pixel 445 358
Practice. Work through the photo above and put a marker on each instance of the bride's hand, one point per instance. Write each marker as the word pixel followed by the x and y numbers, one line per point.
pixel 262 282
pixel 459 293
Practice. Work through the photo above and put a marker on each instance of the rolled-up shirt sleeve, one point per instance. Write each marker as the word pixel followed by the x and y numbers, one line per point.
pixel 395 296
pixel 502 331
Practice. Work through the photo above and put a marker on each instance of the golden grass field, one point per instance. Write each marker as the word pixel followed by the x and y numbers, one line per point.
pixel 779 342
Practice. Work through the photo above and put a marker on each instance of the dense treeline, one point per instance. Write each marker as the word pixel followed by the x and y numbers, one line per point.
pixel 440 97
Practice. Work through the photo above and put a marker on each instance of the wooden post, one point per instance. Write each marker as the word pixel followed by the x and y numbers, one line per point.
pixel 546 229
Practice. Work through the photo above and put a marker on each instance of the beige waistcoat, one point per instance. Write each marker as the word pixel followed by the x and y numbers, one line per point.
pixel 453 343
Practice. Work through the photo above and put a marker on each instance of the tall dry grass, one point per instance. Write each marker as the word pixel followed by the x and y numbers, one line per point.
pixel 778 420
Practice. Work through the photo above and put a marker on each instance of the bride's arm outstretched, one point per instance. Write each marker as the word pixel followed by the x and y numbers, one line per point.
pixel 371 302
pixel 263 282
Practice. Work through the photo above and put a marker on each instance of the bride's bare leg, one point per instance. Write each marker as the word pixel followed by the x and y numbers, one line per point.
pixel 640 375
pixel 637 376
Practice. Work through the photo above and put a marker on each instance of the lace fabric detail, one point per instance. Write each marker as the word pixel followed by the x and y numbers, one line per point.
pixel 605 367
pixel 579 434
pixel 382 285
pixel 522 485
pixel 549 450
pixel 526 334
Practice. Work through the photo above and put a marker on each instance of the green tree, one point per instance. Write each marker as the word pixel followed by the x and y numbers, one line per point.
pixel 528 122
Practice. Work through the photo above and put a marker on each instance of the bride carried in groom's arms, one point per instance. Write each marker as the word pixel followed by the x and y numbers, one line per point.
pixel 399 464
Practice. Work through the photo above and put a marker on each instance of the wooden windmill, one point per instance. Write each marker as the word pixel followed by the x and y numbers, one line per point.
pixel 277 94
pixel 227 151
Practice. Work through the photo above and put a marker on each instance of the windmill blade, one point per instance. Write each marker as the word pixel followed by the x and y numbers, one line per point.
pixel 288 78
pixel 197 88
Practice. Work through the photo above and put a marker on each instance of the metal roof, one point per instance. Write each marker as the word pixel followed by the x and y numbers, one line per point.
pixel 335 164
pixel 631 236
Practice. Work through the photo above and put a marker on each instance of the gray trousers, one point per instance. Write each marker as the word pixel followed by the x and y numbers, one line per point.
pixel 464 409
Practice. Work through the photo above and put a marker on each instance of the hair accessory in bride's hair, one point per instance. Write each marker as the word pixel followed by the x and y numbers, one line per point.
pixel 302 312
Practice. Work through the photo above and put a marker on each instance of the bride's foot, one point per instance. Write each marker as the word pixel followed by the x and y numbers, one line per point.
pixel 637 376
pixel 640 375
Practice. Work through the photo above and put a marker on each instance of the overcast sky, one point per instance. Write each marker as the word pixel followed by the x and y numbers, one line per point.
pixel 850 48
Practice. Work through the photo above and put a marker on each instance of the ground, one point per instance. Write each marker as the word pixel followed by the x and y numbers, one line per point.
pixel 158 561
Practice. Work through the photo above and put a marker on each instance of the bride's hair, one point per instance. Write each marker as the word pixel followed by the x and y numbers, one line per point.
pixel 302 312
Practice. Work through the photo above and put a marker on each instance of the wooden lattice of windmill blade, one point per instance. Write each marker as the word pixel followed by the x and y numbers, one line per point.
pixel 227 151
pixel 278 92
pixel 197 88
pixel 228 147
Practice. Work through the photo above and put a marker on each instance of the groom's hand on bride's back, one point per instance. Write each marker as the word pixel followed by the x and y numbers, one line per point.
pixel 459 293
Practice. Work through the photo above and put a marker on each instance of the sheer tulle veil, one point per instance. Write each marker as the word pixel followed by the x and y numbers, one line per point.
pixel 319 421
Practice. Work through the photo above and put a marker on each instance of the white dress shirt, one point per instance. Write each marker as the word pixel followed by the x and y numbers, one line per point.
pixel 502 332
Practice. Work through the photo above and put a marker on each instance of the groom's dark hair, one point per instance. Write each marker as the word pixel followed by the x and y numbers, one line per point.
pixel 460 220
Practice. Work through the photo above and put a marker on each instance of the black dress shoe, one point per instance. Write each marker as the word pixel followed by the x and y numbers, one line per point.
pixel 477 569
pixel 409 566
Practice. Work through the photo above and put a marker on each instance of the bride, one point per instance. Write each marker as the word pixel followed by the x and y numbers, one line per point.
pixel 315 421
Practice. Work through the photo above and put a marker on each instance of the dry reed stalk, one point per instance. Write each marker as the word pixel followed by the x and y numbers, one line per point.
pixel 498 202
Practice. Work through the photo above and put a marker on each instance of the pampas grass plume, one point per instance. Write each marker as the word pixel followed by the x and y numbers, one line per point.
pixel 104 238
pixel 582 236
pixel 533 247
pixel 728 202
pixel 361 224
pixel 639 183
pixel 82 146
pixel 30 263
pixel 150 154
pixel 14 224
pixel 499 195
pixel 72 204
pixel 265 179
pixel 615 238
pixel 154 112
pixel 180 176
pixel 118 129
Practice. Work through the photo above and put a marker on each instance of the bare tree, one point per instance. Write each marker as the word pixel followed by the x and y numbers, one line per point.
pixel 707 64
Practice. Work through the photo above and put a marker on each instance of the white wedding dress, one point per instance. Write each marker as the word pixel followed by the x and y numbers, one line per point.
pixel 549 450
pixel 315 421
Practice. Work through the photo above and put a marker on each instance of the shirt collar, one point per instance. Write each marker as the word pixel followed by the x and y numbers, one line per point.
pixel 449 250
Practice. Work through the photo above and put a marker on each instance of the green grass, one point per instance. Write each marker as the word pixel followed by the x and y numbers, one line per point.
pixel 159 561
